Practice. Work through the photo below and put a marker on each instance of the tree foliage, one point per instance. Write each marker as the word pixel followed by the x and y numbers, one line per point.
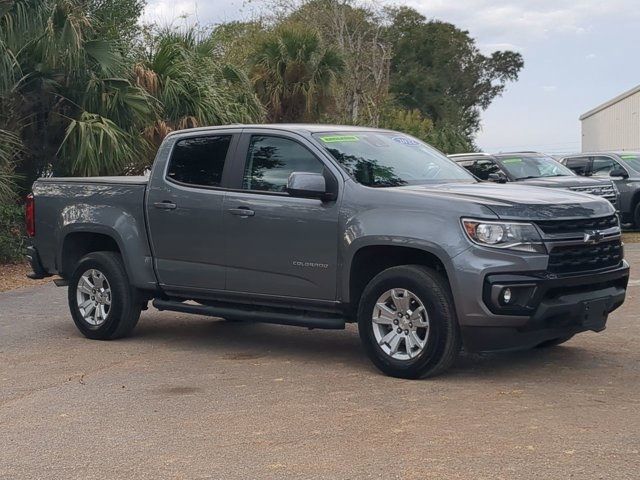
pixel 438 69
pixel 86 90
pixel 83 98
pixel 294 74
pixel 357 35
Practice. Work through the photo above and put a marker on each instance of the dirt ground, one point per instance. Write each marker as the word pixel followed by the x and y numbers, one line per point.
pixel 14 275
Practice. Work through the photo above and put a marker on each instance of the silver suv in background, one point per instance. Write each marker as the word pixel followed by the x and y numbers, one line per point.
pixel 622 167
pixel 535 169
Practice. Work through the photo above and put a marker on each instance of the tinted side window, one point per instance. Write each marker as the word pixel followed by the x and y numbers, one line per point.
pixel 270 161
pixel 199 161
pixel 578 165
pixel 602 166
pixel 483 168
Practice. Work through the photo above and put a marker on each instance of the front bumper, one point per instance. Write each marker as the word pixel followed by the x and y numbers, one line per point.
pixel 553 307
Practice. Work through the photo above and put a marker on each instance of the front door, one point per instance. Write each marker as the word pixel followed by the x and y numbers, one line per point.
pixel 184 206
pixel 280 245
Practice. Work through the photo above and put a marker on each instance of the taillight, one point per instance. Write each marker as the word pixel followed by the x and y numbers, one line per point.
pixel 30 215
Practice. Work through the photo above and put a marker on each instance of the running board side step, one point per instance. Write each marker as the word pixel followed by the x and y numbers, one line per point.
pixel 248 313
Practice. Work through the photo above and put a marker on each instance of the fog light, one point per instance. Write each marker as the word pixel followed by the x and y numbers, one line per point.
pixel 506 296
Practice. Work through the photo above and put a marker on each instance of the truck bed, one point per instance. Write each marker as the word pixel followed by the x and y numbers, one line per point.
pixel 66 208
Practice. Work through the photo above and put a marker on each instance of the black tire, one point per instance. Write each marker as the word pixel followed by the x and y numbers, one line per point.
pixel 443 341
pixel 124 311
pixel 555 341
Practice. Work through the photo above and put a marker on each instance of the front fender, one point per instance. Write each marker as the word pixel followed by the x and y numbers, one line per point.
pixel 392 241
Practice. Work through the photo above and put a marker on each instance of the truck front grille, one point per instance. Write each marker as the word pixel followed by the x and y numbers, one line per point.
pixel 577 226
pixel 606 191
pixel 581 258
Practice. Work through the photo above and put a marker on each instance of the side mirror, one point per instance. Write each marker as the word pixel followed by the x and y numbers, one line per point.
pixel 619 172
pixel 497 177
pixel 307 185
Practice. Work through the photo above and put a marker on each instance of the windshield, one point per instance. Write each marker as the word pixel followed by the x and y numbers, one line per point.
pixel 521 167
pixel 631 160
pixel 388 159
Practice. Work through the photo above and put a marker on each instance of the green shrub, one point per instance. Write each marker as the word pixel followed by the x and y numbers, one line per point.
pixel 12 233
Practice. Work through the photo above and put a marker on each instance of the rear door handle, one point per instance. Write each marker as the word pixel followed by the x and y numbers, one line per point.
pixel 166 205
pixel 242 212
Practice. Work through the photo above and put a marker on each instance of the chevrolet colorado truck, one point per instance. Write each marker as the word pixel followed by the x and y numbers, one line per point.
pixel 318 226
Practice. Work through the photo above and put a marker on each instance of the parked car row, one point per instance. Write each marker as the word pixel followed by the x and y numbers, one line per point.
pixel 612 175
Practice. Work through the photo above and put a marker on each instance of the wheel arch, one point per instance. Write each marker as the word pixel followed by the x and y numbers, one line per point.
pixel 78 242
pixel 371 258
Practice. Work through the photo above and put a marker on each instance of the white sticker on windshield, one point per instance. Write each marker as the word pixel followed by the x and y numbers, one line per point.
pixel 406 141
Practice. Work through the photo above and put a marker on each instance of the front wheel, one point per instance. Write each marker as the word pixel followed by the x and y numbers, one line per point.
pixel 407 322
pixel 103 304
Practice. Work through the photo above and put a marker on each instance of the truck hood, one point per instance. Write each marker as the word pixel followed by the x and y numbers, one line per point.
pixel 516 201
pixel 564 182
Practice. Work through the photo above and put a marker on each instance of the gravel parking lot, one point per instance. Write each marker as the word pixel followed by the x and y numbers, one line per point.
pixel 195 397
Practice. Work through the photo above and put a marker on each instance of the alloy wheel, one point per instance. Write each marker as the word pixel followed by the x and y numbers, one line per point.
pixel 400 324
pixel 93 295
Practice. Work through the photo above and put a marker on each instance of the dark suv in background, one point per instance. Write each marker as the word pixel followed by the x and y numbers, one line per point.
pixel 533 168
pixel 622 167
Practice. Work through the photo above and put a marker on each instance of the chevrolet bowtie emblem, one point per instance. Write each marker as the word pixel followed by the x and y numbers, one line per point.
pixel 593 236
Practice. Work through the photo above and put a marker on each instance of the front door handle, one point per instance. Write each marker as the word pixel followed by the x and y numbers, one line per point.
pixel 166 205
pixel 242 212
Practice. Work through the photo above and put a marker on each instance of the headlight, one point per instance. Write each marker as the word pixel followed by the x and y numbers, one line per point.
pixel 523 237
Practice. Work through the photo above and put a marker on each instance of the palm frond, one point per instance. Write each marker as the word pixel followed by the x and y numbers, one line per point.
pixel 94 145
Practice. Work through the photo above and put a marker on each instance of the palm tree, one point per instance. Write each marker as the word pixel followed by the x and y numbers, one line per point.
pixel 192 86
pixel 294 75
pixel 68 92
pixel 85 105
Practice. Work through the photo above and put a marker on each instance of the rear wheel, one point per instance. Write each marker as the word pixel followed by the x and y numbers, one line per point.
pixel 407 322
pixel 103 304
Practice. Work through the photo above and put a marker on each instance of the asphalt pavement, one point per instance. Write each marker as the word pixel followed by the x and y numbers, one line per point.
pixel 194 397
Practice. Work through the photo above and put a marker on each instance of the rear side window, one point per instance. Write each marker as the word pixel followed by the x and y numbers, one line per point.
pixel 199 161
pixel 579 165
pixel 271 160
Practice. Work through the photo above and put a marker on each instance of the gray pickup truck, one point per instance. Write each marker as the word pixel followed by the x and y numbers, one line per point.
pixel 317 226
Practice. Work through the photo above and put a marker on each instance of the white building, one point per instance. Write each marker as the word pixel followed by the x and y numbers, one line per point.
pixel 614 125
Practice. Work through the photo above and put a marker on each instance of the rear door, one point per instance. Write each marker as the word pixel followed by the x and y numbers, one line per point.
pixel 184 205
pixel 280 245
